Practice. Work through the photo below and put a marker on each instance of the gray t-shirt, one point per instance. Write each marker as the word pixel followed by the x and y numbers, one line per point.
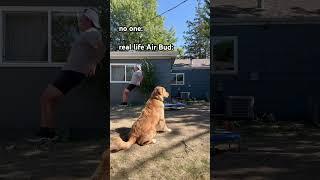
pixel 83 53
pixel 136 78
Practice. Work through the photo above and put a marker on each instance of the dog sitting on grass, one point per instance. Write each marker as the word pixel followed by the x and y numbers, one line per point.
pixel 150 121
pixel 142 132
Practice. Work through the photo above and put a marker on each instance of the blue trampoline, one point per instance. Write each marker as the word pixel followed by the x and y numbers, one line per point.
pixel 175 106
pixel 225 137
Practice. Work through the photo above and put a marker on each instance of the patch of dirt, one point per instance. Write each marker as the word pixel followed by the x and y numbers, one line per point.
pixel 183 153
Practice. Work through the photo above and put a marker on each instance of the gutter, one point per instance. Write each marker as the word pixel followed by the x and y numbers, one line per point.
pixel 143 55
pixel 262 21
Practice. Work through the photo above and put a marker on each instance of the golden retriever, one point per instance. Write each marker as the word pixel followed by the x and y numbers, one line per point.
pixel 149 122
pixel 142 132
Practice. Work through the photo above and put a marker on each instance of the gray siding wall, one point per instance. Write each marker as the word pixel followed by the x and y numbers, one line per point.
pixel 196 81
pixel 162 68
pixel 20 93
pixel 287 60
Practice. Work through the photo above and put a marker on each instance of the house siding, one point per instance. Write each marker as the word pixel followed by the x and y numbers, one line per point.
pixel 196 81
pixel 286 57
pixel 162 71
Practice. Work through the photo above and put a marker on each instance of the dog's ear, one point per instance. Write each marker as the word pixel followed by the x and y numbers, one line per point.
pixel 162 91
pixel 158 91
pixel 155 92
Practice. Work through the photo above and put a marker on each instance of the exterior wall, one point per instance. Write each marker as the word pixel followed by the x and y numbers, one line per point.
pixel 83 107
pixel 162 68
pixel 21 87
pixel 196 81
pixel 286 58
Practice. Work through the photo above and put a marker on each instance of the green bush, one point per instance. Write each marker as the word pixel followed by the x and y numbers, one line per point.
pixel 149 81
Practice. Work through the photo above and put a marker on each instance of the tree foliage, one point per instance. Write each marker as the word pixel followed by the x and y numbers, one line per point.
pixel 149 79
pixel 197 37
pixel 138 13
pixel 180 53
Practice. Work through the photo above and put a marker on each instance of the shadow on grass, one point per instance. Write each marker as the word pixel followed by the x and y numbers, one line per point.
pixel 72 160
pixel 121 113
pixel 123 132
pixel 286 151
pixel 197 116
pixel 141 163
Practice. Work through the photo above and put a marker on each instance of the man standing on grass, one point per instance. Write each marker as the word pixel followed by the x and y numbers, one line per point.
pixel 135 81
pixel 86 52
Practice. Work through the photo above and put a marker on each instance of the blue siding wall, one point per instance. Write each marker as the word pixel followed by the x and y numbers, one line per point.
pixel 196 81
pixel 162 70
pixel 286 57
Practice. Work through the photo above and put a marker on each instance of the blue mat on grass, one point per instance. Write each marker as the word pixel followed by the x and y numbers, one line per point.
pixel 222 137
pixel 174 105
pixel 225 137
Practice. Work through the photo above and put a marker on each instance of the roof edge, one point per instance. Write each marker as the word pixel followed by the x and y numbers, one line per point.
pixel 143 54
pixel 190 68
pixel 255 20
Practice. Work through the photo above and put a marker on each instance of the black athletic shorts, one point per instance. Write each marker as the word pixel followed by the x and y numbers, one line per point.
pixel 131 86
pixel 66 80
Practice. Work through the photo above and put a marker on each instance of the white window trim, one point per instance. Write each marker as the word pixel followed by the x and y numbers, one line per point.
pixel 176 74
pixel 49 10
pixel 185 93
pixel 235 52
pixel 125 71
pixel 49 36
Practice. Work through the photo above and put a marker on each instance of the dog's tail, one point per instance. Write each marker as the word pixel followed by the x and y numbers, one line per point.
pixel 117 144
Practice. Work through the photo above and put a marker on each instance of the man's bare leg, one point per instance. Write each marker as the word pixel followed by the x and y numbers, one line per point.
pixel 125 95
pixel 48 102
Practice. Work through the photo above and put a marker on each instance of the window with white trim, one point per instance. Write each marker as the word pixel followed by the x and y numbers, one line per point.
pixel 177 79
pixel 42 35
pixel 225 57
pixel 121 73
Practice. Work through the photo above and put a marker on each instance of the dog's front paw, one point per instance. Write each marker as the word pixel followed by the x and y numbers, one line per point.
pixel 168 130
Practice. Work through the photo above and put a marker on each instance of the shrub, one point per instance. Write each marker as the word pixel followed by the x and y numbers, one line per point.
pixel 149 79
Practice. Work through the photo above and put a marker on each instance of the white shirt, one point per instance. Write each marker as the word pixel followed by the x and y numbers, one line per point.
pixel 136 78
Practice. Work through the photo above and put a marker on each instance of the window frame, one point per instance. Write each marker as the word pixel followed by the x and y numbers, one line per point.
pixel 49 10
pixel 235 52
pixel 176 75
pixel 125 72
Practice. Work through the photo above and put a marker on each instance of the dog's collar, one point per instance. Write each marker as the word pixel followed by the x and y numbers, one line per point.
pixel 159 99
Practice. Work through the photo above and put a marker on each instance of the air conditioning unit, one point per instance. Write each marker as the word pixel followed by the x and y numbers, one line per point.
pixel 185 95
pixel 240 107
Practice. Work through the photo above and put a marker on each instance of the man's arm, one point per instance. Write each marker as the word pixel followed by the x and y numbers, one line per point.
pixel 100 50
pixel 95 41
